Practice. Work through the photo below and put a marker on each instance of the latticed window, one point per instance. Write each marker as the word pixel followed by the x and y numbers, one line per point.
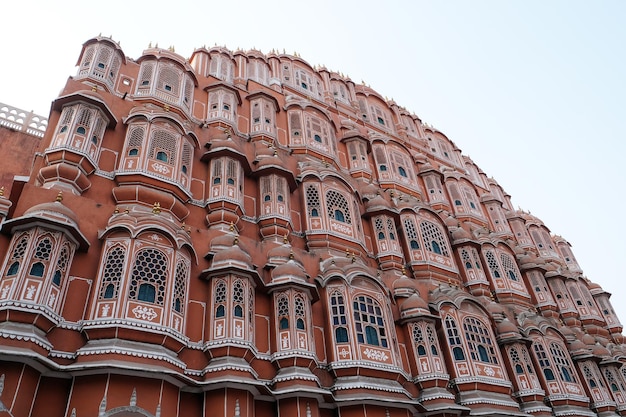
pixel 148 277
pixel 419 341
pixel 424 339
pixel 239 300
pixel 544 361
pixel 493 264
pixel 18 254
pixel 146 74
pixel 339 317
pixel 220 299
pixel 61 267
pixel 186 159
pixel 592 379
pixel 378 226
pixel 509 266
pixel 222 67
pixel 434 241
pixel 169 80
pixel 135 136
pixel 299 309
pixel 432 339
pixel 369 321
pixel 357 152
pixel 258 71
pixel 562 363
pixel 337 207
pixel 411 233
pixel 42 256
pixel 163 146
pixel 283 312
pixel 470 258
pixel 262 118
pixel 180 280
pixel 112 273
pixel 454 339
pixel 233 306
pixel 479 340
pixel 614 381
pixel 313 201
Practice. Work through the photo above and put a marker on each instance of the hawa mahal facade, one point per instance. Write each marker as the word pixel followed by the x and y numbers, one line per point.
pixel 240 234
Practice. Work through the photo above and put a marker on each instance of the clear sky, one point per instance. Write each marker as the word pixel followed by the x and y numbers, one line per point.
pixel 533 91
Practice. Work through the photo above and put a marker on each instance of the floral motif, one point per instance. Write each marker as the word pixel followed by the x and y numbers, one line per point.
pixel 144 313
pixel 376 355
pixel 160 168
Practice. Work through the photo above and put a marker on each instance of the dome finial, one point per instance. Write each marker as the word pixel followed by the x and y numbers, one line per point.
pixel 156 208
pixel 59 196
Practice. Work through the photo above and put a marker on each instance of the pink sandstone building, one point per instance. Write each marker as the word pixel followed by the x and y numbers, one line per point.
pixel 241 234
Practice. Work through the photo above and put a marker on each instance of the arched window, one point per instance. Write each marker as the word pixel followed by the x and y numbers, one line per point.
pixel 15 266
pixel 369 321
pixel 112 272
pixel 338 317
pixel 37 269
pixel 148 277
pixel 434 240
pixel 161 156
pixel 479 340
pixel 402 172
pixel 109 291
pixel 454 338
pixel 544 361
pixel 338 206
pixel 147 293
pixel 435 247
pixel 341 335
pixel 180 284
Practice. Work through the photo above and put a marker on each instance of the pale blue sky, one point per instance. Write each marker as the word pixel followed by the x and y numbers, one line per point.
pixel 533 91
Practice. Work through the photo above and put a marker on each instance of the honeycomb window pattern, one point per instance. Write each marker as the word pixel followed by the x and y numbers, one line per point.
pixel 151 268
pixel 112 273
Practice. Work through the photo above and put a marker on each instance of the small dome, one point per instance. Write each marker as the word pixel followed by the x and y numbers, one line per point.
pixel 376 202
pixel 232 255
pixel 404 287
pixel 601 351
pixel 223 241
pixel 460 234
pixel 290 270
pixel 55 211
pixel 505 326
pixel 577 345
pixel 404 282
pixel 589 340
pixel 414 304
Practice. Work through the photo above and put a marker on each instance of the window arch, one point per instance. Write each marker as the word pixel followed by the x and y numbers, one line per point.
pixel 180 281
pixel 291 308
pixel 479 341
pixel 337 207
pixel 454 339
pixel 148 277
pixel 339 317
pixel 434 240
pixel 112 272
pixel 369 321
pixel 233 304
pixel 562 362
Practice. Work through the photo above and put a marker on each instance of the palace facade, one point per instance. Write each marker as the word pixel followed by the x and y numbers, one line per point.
pixel 241 234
